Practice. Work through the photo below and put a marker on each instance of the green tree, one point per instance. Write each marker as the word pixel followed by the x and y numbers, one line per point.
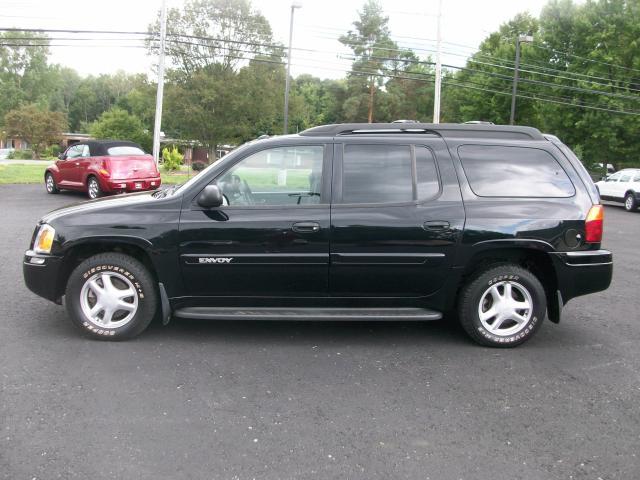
pixel 118 124
pixel 374 54
pixel 221 32
pixel 39 127
pixel 23 62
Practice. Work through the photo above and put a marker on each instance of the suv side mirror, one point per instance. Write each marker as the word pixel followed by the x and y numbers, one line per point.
pixel 61 156
pixel 210 197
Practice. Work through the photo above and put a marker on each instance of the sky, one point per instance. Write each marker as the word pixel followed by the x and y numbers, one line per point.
pixel 317 25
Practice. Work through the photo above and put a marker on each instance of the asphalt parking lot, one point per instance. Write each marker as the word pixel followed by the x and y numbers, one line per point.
pixel 284 400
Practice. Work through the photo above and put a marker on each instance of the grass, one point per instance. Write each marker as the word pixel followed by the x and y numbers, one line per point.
pixel 22 174
pixel 258 178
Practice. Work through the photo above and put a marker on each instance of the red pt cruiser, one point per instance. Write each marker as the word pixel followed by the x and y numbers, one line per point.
pixel 103 166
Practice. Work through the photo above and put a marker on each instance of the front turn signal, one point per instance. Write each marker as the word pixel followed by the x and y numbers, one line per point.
pixel 44 239
pixel 593 224
pixel 104 173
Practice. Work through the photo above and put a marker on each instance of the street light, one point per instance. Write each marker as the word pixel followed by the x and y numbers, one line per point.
pixel 294 5
pixel 519 40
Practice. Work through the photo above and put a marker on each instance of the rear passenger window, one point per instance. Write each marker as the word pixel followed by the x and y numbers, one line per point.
pixel 427 174
pixel 377 174
pixel 499 171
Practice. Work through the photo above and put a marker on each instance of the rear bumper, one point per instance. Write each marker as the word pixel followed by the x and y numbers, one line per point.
pixel 136 185
pixel 584 272
pixel 41 274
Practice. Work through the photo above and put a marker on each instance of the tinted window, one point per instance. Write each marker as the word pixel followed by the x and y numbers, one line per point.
pixel 637 177
pixel 276 176
pixel 625 177
pixel 124 150
pixel 497 171
pixel 377 174
pixel 427 174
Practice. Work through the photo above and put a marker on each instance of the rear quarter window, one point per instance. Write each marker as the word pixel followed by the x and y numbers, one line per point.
pixel 124 150
pixel 505 171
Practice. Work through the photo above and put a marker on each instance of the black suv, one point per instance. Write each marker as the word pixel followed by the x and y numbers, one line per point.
pixel 342 222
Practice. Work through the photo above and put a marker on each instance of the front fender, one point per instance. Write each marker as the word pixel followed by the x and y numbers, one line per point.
pixel 55 171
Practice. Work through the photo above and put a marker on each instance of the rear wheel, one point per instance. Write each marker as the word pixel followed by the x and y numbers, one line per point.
pixel 630 203
pixel 111 296
pixel 93 188
pixel 502 306
pixel 50 183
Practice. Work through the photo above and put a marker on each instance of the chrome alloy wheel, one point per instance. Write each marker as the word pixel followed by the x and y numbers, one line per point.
pixel 628 203
pixel 108 300
pixel 505 308
pixel 49 183
pixel 93 188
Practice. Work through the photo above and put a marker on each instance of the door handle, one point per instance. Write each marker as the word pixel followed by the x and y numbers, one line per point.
pixel 306 227
pixel 436 225
pixel 77 164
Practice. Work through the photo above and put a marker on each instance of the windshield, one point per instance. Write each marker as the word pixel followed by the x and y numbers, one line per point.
pixel 123 150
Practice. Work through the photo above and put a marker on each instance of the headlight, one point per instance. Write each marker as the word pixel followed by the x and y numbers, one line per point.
pixel 44 239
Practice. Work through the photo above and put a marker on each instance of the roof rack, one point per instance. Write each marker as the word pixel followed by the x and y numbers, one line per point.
pixel 446 130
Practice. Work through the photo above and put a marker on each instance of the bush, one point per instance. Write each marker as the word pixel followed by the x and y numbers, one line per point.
pixel 198 166
pixel 51 152
pixel 26 154
pixel 118 124
pixel 171 159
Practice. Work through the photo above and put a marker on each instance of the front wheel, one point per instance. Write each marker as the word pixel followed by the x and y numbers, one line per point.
pixel 502 306
pixel 630 203
pixel 111 296
pixel 50 183
pixel 93 188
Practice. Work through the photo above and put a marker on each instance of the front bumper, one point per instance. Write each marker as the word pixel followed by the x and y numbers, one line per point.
pixel 136 185
pixel 42 274
pixel 583 272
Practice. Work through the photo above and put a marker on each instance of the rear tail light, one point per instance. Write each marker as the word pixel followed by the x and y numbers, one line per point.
pixel 593 224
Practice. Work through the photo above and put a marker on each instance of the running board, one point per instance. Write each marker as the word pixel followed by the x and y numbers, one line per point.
pixel 317 314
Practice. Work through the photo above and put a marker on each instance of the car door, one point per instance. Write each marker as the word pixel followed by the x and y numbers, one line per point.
pixel 622 185
pixel 396 218
pixel 68 167
pixel 83 162
pixel 606 187
pixel 271 238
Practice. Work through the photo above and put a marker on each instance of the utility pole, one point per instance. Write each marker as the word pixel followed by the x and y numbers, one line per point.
pixel 160 91
pixel 438 85
pixel 294 5
pixel 519 40
pixel 371 83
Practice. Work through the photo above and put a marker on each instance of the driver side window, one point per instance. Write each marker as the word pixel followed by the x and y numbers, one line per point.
pixel 276 176
pixel 74 151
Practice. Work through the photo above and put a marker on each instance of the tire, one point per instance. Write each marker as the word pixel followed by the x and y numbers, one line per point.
pixel 50 184
pixel 94 283
pixel 93 188
pixel 630 203
pixel 509 326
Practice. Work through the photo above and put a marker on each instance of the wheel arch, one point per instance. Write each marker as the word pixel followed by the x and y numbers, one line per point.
pixel 532 255
pixel 77 252
pixel 53 170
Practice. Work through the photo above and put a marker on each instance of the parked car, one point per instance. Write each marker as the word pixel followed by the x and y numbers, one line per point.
pixel 340 222
pixel 5 152
pixel 99 167
pixel 623 186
